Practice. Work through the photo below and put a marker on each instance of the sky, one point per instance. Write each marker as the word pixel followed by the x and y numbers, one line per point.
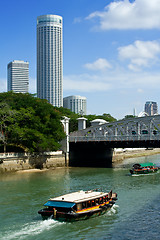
pixel 111 49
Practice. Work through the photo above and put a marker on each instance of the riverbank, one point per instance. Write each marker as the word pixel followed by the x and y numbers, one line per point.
pixel 57 160
pixel 122 154
pixel 12 162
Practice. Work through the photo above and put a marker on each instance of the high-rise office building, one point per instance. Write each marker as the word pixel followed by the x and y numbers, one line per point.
pixel 18 76
pixel 76 104
pixel 50 59
pixel 151 108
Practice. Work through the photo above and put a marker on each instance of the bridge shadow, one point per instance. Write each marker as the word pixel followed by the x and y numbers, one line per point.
pixel 90 154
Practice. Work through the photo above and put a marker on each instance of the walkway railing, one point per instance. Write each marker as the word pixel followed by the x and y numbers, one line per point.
pixel 114 138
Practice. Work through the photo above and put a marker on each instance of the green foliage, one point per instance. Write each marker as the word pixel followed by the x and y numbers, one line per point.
pixel 73 123
pixel 129 116
pixel 7 118
pixel 30 123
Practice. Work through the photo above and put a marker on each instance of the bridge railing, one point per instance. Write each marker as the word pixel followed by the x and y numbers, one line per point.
pixel 114 138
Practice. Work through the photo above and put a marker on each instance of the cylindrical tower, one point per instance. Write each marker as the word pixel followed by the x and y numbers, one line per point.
pixel 50 59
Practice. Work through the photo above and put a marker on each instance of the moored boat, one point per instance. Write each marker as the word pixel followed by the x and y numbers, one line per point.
pixel 78 205
pixel 144 168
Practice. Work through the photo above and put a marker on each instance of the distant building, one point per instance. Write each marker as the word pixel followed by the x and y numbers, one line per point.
pixel 151 108
pixel 76 104
pixel 18 76
pixel 50 59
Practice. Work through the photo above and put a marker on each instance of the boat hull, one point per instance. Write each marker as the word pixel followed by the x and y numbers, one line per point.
pixel 75 216
pixel 143 171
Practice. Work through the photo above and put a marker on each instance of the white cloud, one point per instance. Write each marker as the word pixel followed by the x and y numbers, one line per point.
pixel 112 81
pixel 140 54
pixel 100 64
pixel 85 83
pixel 140 14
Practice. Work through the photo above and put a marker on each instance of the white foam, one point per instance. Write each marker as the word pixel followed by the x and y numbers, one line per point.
pixel 113 210
pixel 30 229
pixel 143 174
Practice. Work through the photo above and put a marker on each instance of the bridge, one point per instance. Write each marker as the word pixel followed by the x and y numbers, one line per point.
pixel 94 146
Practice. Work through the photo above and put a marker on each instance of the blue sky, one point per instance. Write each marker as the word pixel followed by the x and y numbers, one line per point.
pixel 111 49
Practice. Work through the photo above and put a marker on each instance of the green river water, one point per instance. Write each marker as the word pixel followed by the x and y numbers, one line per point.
pixel 136 214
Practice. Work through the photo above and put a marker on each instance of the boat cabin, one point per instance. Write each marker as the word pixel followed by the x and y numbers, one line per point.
pixel 78 201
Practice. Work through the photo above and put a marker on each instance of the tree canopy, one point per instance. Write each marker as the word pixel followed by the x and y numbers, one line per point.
pixel 29 123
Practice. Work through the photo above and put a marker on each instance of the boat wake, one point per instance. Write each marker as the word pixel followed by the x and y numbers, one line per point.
pixel 148 174
pixel 31 229
pixel 113 210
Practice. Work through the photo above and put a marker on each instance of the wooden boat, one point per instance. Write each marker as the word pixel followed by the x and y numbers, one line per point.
pixel 144 168
pixel 78 205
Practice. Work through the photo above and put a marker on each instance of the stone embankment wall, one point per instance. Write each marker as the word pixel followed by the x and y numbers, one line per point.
pixel 11 162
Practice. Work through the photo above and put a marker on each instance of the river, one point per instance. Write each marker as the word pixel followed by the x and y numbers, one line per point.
pixel 136 214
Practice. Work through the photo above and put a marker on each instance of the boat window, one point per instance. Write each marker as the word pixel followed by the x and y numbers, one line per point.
pixel 89 204
pixel 84 205
pixel 93 202
pixel 97 201
pixel 79 206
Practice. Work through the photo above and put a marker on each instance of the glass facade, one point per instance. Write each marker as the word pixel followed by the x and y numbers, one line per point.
pixel 151 108
pixel 50 59
pixel 18 76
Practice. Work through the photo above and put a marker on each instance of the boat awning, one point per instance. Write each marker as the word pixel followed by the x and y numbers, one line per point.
pixel 147 164
pixel 59 204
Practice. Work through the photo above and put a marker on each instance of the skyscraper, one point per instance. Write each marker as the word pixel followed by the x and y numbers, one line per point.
pixel 76 104
pixel 18 76
pixel 151 108
pixel 50 59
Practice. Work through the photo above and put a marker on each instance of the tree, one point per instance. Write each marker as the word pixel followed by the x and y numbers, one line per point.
pixel 7 119
pixel 129 116
pixel 35 125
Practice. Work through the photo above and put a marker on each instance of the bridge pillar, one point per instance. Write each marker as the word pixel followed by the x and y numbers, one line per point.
pixel 90 154
pixel 82 123
pixel 65 142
